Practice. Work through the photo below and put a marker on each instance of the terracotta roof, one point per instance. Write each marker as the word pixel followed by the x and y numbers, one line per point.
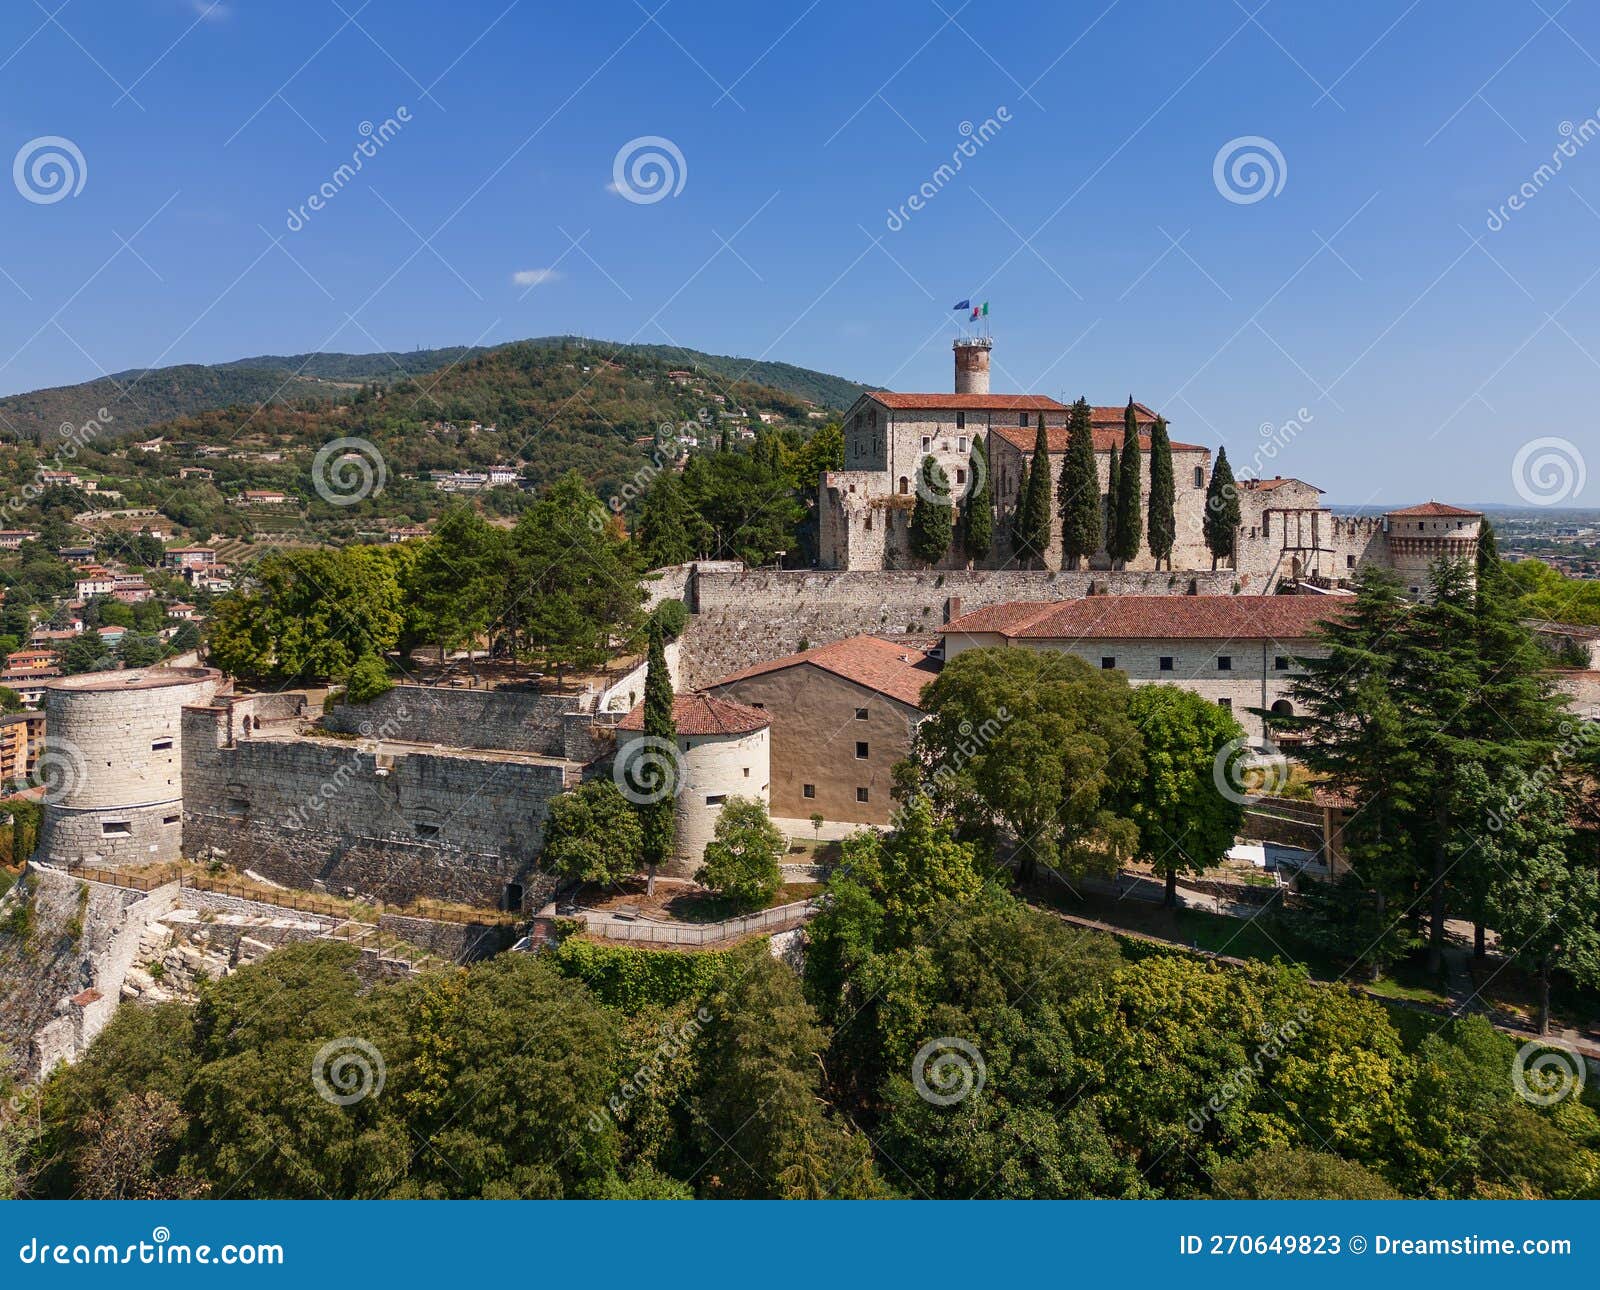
pixel 1105 439
pixel 704 714
pixel 1434 508
pixel 1152 617
pixel 85 997
pixel 1277 481
pixel 899 671
pixel 969 402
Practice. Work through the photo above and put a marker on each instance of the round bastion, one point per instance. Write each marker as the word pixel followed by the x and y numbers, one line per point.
pixel 112 764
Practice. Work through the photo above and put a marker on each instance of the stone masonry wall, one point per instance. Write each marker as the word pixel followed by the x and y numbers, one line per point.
pixel 753 616
pixel 515 720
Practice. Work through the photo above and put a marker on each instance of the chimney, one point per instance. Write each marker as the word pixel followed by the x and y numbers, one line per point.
pixel 972 364
pixel 952 608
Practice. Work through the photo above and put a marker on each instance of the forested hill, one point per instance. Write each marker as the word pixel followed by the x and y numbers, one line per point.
pixel 139 400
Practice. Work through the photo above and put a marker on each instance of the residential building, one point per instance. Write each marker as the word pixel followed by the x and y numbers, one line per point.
pixel 11 539
pixel 189 557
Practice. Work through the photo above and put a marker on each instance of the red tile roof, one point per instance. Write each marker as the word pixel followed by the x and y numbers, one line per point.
pixel 1277 481
pixel 1105 438
pixel 704 714
pixel 899 671
pixel 970 402
pixel 1153 617
pixel 1435 508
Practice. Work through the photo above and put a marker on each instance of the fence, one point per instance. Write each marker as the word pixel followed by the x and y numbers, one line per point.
pixel 777 919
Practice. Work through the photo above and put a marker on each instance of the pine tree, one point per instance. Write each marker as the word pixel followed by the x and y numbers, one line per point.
pixel 977 515
pixel 932 518
pixel 662 529
pixel 1078 491
pixel 1033 511
pixel 1163 529
pixel 1222 510
pixel 1126 526
pixel 657 818
pixel 1108 525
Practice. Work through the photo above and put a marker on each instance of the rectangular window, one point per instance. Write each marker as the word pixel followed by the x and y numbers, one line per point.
pixel 961 443
pixel 1022 420
pixel 1166 662
pixel 171 819
pixel 861 795
pixel 961 476
pixel 1349 562
pixel 746 772
pixel 961 424
pixel 116 829
pixel 861 714
pixel 808 790
pixel 1280 664
pixel 161 745
pixel 714 799
pixel 1224 662
pixel 926 443
pixel 1107 663
pixel 861 750
pixel 1226 704
pixel 427 830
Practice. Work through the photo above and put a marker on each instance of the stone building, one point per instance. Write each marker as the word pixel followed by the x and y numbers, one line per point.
pixel 723 750
pixel 842 716
pixel 1238 651
pixel 113 766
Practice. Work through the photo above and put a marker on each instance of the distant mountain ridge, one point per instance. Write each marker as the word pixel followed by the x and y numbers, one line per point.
pixel 140 398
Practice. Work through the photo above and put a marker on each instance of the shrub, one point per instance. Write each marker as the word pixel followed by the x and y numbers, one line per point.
pixel 742 858
pixel 369 678
pixel 672 616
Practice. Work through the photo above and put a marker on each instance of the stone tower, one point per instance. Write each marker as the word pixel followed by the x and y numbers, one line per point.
pixel 972 364
pixel 112 764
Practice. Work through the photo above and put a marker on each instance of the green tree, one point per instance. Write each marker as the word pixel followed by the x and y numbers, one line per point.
pixel 1032 521
pixel 1078 490
pixel 1113 488
pixel 1296 1173
pixel 1163 525
pixel 592 834
pixel 1185 824
pixel 742 858
pixel 663 527
pixel 452 582
pixel 977 513
pixel 932 518
pixel 1221 520
pixel 1029 749
pixel 657 821
pixel 1126 528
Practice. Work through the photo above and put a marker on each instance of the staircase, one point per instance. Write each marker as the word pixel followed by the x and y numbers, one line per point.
pixel 370 939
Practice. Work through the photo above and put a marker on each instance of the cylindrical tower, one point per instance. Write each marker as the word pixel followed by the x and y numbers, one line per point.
pixel 972 364
pixel 723 750
pixel 112 764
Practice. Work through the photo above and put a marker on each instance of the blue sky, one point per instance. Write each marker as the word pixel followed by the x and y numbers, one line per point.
pixel 1368 290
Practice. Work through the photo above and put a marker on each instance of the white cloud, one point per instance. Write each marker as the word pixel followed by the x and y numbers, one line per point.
pixel 209 10
pixel 534 277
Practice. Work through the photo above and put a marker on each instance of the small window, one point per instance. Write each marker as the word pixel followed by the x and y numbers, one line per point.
pixel 161 745
pixel 961 424
pixel 237 806
pixel 961 476
pixel 1107 663
pixel 961 443
pixel 715 799
pixel 427 830
pixel 1349 562
pixel 1416 591
pixel 1199 476
pixel 1022 420
pixel 861 750
pixel 861 714
pixel 116 829
pixel 1225 704
pixel 1224 662
pixel 926 443
pixel 171 819
pixel 905 484
pixel 1280 663
pixel 861 795
pixel 746 772
pixel 1166 662
pixel 808 791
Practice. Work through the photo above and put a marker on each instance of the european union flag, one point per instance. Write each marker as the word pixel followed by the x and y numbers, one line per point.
pixel 962 304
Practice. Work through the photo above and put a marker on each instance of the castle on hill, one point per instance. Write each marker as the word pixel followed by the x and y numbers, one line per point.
pixel 1285 535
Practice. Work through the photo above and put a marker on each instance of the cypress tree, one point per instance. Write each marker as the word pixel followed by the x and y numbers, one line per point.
pixel 1163 529
pixel 1125 533
pixel 932 518
pixel 1222 510
pixel 977 527
pixel 1078 491
pixel 656 818
pixel 1033 511
pixel 1113 471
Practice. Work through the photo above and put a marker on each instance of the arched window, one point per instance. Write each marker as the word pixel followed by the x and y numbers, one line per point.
pixel 905 484
pixel 1199 476
pixel 1283 708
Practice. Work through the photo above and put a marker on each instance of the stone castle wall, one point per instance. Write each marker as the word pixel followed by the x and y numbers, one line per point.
pixel 513 720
